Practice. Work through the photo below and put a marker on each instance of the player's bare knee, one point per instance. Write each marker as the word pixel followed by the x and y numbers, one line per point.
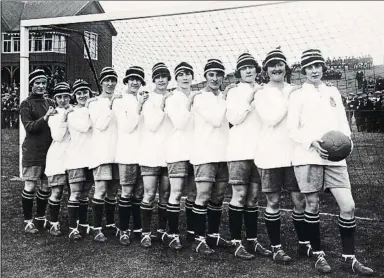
pixel 191 196
pixel 348 209
pixel 312 203
pixel 163 199
pixel 217 198
pixel 202 198
pixel 149 197
pixel 273 201
pixel 75 195
pixel 56 193
pixel 30 186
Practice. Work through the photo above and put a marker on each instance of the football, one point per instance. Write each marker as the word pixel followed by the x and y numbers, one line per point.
pixel 337 144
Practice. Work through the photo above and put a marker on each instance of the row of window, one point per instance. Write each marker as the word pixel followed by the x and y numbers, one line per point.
pixel 49 43
pixel 44 43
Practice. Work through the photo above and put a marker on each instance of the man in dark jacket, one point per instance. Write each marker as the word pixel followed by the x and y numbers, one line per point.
pixel 34 112
pixel 359 114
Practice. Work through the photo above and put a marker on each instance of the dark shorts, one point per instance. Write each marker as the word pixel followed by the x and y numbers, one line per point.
pixel 276 179
pixel 106 172
pixel 80 175
pixel 313 178
pixel 180 169
pixel 34 173
pixel 154 171
pixel 57 180
pixel 243 172
pixel 129 173
pixel 211 172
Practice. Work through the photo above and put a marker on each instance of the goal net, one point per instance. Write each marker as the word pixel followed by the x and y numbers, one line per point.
pixel 349 34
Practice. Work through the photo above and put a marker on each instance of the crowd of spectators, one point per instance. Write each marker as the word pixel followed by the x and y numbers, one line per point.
pixel 10 95
pixel 348 63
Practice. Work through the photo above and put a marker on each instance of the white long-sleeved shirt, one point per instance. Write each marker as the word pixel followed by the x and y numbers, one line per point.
pixel 210 129
pixel 80 130
pixel 128 132
pixel 104 135
pixel 274 147
pixel 312 113
pixel 180 139
pixel 155 129
pixel 244 134
pixel 56 156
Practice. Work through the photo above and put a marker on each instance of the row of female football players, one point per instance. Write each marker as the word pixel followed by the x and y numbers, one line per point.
pixel 182 139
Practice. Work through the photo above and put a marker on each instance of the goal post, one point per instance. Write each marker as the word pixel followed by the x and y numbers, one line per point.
pixel 197 32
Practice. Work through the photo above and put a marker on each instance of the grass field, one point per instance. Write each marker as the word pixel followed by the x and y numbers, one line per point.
pixel 45 256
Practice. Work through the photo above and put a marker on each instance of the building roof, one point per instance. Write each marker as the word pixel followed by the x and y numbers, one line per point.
pixel 14 11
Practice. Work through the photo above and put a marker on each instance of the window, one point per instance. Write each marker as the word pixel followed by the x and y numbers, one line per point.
pixel 91 40
pixel 16 44
pixel 7 42
pixel 43 43
pixel 48 42
pixel 38 44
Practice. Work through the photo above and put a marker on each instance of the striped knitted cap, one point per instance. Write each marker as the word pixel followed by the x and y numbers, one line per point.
pixel 160 69
pixel 134 71
pixel 80 84
pixel 36 74
pixel 310 57
pixel 274 55
pixel 107 72
pixel 183 66
pixel 214 65
pixel 61 88
pixel 247 59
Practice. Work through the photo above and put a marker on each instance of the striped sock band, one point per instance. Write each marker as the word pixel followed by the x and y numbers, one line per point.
pixel 273 224
pixel 235 221
pixel 214 217
pixel 300 226
pixel 312 221
pixel 125 208
pixel 189 215
pixel 97 212
pixel 110 207
pixel 347 229
pixel 162 216
pixel 136 214
pixel 27 203
pixel 73 213
pixel 83 211
pixel 41 202
pixel 251 215
pixel 173 215
pixel 200 215
pixel 54 210
pixel 146 216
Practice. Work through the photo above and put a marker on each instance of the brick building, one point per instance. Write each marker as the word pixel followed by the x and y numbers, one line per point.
pixel 60 51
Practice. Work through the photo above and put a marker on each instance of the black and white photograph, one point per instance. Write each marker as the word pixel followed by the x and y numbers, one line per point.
pixel 210 139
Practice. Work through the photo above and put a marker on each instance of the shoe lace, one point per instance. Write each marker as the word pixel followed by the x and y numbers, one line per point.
pixel 309 249
pixel 146 237
pixel 277 252
pixel 217 236
pixel 320 258
pixel 239 246
pixel 42 219
pixel 201 243
pixel 88 228
pixel 73 231
pixel 124 235
pixel 29 225
pixel 55 226
pixel 174 238
pixel 113 226
pixel 99 232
